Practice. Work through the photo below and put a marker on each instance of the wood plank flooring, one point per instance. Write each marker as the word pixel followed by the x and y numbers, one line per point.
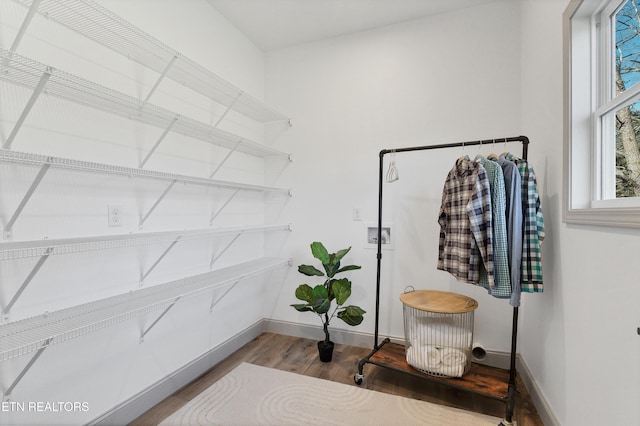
pixel 300 356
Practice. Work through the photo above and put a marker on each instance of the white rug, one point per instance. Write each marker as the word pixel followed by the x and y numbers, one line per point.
pixel 254 395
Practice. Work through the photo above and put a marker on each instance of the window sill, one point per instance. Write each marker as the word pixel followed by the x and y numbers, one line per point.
pixel 620 217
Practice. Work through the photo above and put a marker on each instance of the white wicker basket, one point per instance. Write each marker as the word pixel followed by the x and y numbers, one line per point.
pixel 438 329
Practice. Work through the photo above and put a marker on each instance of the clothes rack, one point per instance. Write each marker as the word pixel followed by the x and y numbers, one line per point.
pixel 488 381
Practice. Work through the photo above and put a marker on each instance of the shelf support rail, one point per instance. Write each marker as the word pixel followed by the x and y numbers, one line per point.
pixel 146 274
pixel 25 24
pixel 216 257
pixel 27 281
pixel 215 301
pixel 27 367
pixel 144 333
pixel 8 228
pixel 162 76
pixel 215 215
pixel 160 139
pixel 164 194
pixel 25 112
pixel 224 160
pixel 216 125
pixel 228 109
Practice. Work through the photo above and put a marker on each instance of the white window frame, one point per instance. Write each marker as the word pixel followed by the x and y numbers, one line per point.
pixel 586 181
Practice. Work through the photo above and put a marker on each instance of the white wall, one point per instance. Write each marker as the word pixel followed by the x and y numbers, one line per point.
pixel 441 79
pixel 107 367
pixel 579 338
pixel 491 71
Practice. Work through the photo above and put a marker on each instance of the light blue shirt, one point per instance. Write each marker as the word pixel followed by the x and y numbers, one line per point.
pixel 512 186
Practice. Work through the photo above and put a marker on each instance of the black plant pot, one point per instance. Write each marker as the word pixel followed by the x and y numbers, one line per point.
pixel 325 350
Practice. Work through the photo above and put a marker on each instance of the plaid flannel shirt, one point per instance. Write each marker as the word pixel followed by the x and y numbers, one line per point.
pixel 465 221
pixel 531 265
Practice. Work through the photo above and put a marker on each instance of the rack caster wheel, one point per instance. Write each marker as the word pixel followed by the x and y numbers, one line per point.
pixel 358 378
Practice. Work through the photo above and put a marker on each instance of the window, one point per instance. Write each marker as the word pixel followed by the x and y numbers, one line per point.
pixel 602 112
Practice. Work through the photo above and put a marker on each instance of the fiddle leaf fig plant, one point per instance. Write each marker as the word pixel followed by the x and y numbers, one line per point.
pixel 319 299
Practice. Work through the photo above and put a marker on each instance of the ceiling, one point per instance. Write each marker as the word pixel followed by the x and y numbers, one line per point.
pixel 275 24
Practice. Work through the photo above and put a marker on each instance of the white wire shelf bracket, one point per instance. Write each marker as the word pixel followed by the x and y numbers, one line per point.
pixel 105 27
pixel 47 162
pixel 33 75
pixel 7 309
pixel 38 333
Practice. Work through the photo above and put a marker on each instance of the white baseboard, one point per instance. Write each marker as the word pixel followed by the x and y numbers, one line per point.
pixel 537 396
pixel 137 405
pixel 341 337
pixel 364 340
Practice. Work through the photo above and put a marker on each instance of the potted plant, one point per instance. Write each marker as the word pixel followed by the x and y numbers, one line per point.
pixel 319 299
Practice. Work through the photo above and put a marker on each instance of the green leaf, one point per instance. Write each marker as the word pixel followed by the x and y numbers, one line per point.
pixel 348 268
pixel 304 292
pixel 320 302
pixel 352 315
pixel 341 253
pixel 320 252
pixel 310 270
pixel 320 291
pixel 329 285
pixel 331 268
pixel 302 307
pixel 341 290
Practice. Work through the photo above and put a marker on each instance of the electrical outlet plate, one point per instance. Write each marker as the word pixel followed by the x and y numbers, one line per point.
pixel 114 216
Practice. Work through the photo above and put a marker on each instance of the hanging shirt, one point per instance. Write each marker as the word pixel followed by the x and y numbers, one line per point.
pixel 513 191
pixel 533 228
pixel 502 279
pixel 465 221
